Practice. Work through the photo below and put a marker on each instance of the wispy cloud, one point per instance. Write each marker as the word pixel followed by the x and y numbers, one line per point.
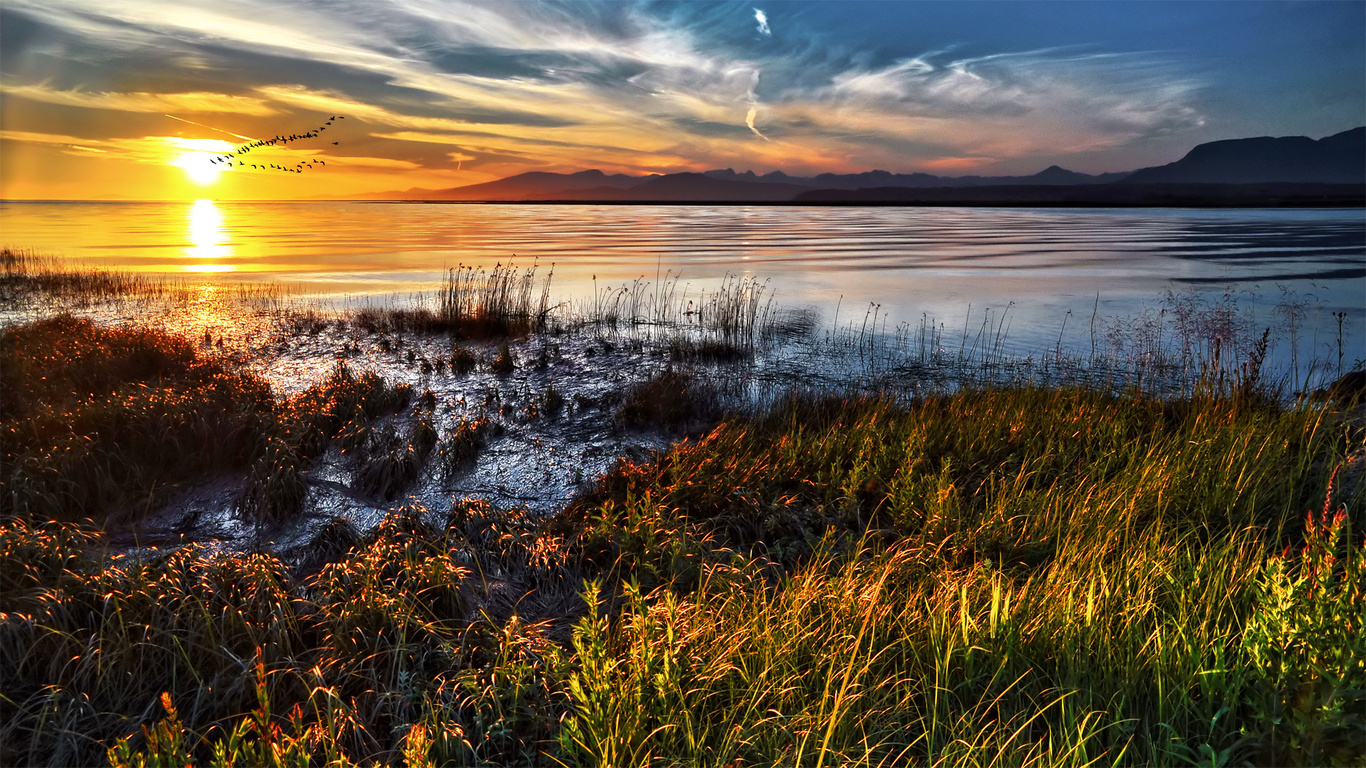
pixel 142 101
pixel 550 84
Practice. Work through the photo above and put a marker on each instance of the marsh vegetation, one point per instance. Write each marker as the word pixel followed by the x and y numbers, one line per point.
pixel 935 554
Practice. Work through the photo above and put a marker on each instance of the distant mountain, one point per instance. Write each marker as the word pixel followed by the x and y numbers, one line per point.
pixel 689 188
pixel 1337 159
pixel 1051 175
pixel 1102 195
pixel 1274 171
pixel 535 185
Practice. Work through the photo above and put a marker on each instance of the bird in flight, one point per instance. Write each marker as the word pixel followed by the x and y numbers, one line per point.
pixel 279 140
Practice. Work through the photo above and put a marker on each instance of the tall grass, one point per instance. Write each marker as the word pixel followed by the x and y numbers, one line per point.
pixel 1007 577
pixel 501 301
pixel 98 421
pixel 228 660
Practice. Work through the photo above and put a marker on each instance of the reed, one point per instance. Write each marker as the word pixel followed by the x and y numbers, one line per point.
pixel 100 422
pixel 502 301
pixel 45 284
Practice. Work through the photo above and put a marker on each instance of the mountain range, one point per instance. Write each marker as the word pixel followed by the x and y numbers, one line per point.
pixel 1292 170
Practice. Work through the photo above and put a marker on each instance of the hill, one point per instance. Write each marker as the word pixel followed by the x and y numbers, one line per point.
pixel 1337 159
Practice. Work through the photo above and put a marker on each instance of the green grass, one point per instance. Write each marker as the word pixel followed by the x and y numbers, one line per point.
pixel 1044 577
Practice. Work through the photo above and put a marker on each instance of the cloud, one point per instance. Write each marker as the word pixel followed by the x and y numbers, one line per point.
pixel 754 106
pixel 558 84
pixel 143 101
pixel 749 120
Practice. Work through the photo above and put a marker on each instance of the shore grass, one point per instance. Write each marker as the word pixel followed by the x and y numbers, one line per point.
pixel 1005 577
pixel 1020 576
pixel 103 421
pixel 1004 574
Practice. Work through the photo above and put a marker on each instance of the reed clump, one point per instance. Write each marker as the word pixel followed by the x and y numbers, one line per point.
pixel 498 302
pixel 394 459
pixel 669 399
pixel 341 407
pixel 100 421
pixel 462 444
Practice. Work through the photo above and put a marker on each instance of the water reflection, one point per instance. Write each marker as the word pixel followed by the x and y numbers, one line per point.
pixel 205 231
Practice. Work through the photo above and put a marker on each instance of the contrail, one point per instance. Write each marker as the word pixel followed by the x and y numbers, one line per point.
pixel 754 106
pixel 749 120
pixel 210 127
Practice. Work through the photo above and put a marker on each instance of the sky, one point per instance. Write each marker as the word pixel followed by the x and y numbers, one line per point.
pixel 133 99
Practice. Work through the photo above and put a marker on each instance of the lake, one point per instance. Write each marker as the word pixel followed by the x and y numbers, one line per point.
pixel 1020 271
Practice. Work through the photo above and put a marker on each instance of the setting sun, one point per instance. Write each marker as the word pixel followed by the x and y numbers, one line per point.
pixel 200 168
pixel 196 158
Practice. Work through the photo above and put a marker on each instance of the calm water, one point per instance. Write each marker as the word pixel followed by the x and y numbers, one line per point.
pixel 954 266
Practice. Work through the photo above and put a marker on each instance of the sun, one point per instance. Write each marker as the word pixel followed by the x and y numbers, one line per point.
pixel 199 167
pixel 196 157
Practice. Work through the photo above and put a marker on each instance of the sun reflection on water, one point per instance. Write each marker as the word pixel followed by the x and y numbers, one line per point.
pixel 205 232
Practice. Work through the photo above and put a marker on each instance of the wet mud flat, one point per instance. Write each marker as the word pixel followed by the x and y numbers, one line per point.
pixel 521 421
pixel 544 427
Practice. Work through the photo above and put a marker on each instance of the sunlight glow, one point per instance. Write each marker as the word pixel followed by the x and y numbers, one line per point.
pixel 205 231
pixel 196 158
pixel 199 168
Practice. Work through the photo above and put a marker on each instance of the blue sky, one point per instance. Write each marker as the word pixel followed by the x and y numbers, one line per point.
pixel 440 94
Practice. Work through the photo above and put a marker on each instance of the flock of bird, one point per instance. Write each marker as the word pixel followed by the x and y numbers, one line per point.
pixel 234 158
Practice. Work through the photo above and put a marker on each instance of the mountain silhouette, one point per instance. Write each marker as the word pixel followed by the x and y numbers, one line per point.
pixel 691 188
pixel 1293 170
pixel 534 185
pixel 1122 195
pixel 1336 159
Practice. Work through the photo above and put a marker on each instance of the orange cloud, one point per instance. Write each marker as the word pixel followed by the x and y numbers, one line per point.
pixel 957 163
